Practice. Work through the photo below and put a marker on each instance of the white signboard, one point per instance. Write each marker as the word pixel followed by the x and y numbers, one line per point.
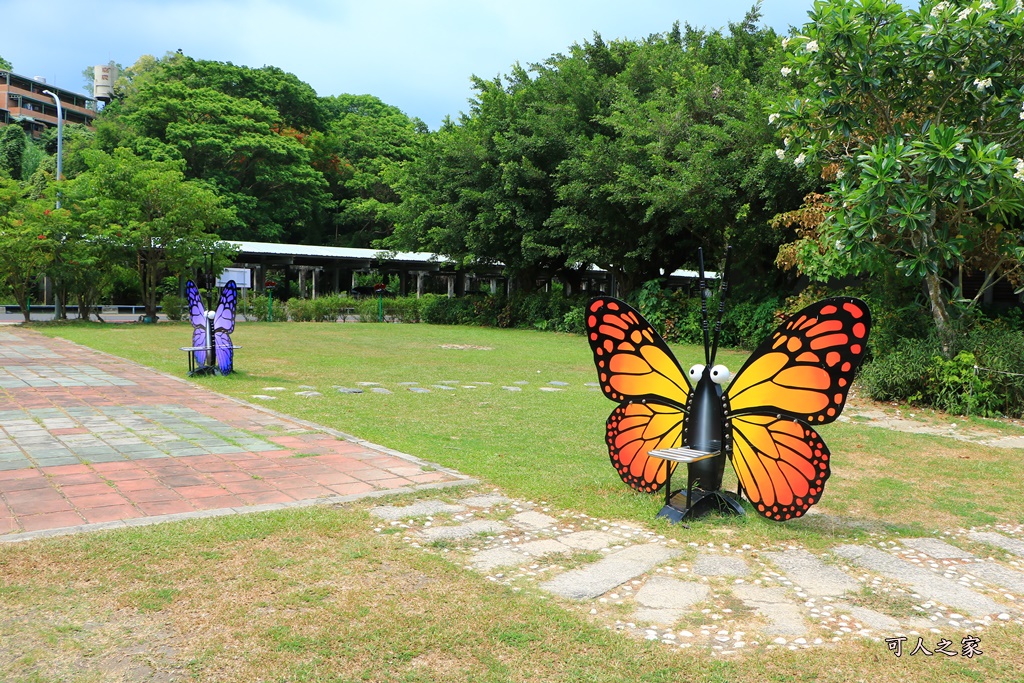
pixel 241 276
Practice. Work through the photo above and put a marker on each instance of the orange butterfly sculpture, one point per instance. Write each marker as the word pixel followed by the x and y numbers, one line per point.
pixel 799 377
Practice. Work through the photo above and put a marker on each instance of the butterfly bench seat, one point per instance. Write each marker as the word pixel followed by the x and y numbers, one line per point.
pixel 192 364
pixel 682 455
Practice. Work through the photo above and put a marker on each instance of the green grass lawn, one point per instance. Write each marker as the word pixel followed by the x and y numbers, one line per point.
pixel 316 595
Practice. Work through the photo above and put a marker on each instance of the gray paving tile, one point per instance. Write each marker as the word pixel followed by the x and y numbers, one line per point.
pixel 810 573
pixel 922 581
pixel 615 569
pixel 1007 543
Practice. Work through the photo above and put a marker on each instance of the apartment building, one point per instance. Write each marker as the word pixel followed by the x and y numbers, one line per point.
pixel 22 101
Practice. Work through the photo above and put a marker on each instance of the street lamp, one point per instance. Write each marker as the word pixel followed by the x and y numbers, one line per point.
pixel 60 139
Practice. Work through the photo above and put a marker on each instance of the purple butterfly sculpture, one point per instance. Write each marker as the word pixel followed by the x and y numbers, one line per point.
pixel 213 328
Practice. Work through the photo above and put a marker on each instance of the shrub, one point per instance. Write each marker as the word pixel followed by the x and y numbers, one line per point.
pixel 260 307
pixel 903 373
pixel 173 306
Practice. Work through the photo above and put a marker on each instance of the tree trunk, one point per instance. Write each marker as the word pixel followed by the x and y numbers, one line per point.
pixel 943 324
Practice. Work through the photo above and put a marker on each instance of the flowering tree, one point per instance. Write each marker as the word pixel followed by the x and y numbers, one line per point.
pixel 916 118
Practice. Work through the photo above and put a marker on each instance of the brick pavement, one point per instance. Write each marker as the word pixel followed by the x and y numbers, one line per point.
pixel 88 439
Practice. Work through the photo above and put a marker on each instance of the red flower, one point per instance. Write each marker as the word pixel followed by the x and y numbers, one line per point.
pixel 46 212
pixel 41 237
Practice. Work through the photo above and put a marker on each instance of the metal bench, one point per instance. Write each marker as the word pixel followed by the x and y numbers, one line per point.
pixel 194 368
pixel 719 500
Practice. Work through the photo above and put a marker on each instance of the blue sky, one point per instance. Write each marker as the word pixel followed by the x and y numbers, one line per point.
pixel 417 56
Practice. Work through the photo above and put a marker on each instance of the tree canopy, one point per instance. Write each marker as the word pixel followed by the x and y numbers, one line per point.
pixel 628 155
pixel 915 118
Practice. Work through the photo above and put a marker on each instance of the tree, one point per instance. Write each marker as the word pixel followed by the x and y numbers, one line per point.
pixel 241 146
pixel 23 224
pixel 12 151
pixel 4 64
pixel 628 155
pixel 364 138
pixel 915 118
pixel 147 211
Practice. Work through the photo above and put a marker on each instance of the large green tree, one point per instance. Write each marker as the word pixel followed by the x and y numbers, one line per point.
pixel 227 135
pixel 23 234
pixel 916 118
pixel 4 64
pixel 146 211
pixel 628 155
pixel 12 151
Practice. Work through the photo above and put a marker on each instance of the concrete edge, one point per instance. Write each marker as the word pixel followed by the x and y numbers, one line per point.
pixel 224 512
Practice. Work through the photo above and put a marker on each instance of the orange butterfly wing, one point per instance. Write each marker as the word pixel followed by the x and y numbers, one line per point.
pixel 636 367
pixel 781 464
pixel 799 376
pixel 632 359
pixel 636 428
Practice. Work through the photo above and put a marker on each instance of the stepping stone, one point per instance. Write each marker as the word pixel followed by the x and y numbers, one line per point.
pixel 591 384
pixel 720 565
pixel 811 574
pixel 936 548
pixel 559 384
pixel 467 530
pixel 380 390
pixel 549 389
pixel 498 557
pixel 997 574
pixel 520 381
pixel 448 381
pixel 614 570
pixel 486 384
pixel 486 500
pixel 306 386
pixel 545 546
pixel 1012 545
pixel 589 540
pixel 468 386
pixel 407 384
pixel 512 388
pixel 533 520
pixel 419 390
pixel 346 390
pixel 661 592
pixel 418 509
pixel 444 386
pixel 869 618
pixel 273 388
pixel 308 393
pixel 368 384
pixel 928 584
pixel 265 398
pixel 783 616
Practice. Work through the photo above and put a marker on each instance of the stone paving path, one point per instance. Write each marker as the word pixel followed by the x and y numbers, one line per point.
pixel 88 440
pixel 721 597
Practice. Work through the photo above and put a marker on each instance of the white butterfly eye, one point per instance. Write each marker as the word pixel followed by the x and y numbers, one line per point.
pixel 696 372
pixel 720 374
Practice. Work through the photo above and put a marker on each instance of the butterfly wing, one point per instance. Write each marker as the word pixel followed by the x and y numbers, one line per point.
pixel 224 351
pixel 781 464
pixel 799 376
pixel 636 368
pixel 197 315
pixel 805 368
pixel 636 428
pixel 632 359
pixel 225 318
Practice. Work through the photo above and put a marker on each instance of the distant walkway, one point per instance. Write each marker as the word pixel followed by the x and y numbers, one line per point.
pixel 88 440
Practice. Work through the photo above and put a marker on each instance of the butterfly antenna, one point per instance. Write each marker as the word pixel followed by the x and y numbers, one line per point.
pixel 704 307
pixel 723 289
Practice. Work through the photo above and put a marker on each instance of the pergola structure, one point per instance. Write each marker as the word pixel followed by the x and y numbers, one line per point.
pixel 324 270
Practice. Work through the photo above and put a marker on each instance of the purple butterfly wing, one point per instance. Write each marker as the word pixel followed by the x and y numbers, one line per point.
pixel 225 352
pixel 225 319
pixel 197 314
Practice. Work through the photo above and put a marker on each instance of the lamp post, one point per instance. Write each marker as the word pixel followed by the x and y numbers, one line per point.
pixel 60 139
